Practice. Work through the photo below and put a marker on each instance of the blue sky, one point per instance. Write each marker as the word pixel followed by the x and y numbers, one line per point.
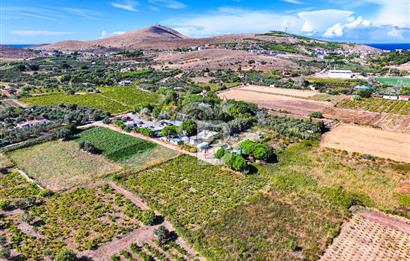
pixel 46 21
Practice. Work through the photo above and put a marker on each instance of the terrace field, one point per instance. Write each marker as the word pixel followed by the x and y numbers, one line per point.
pixel 394 81
pixel 114 145
pixel 114 99
pixel 377 105
pixel 61 165
pixel 263 215
pixel 81 219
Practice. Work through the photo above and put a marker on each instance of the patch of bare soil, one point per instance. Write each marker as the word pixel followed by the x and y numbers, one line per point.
pixel 365 140
pixel 385 121
pixel 371 235
pixel 279 91
pixel 291 105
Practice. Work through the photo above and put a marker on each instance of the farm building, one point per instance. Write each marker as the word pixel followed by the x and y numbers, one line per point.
pixel 404 97
pixel 363 87
pixel 343 74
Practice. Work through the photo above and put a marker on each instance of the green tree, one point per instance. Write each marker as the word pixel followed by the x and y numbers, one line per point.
pixel 162 234
pixel 239 163
pixel 169 131
pixel 189 127
pixel 220 153
pixel 148 217
pixel 65 255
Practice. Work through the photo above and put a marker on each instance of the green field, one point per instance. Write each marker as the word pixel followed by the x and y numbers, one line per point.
pixel 394 81
pixel 61 165
pixel 377 105
pixel 289 210
pixel 114 145
pixel 114 99
pixel 81 219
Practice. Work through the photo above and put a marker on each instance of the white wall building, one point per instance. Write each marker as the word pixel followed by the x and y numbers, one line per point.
pixel 343 74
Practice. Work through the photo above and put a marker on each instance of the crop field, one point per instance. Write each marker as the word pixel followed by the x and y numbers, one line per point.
pixel 113 99
pixel 288 104
pixel 394 81
pixel 114 145
pixel 384 144
pixel 279 91
pixel 378 105
pixel 82 219
pixel 263 215
pixel 61 165
pixel 187 180
pixel 374 235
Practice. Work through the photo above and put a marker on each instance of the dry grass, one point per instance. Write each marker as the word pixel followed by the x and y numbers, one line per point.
pixel 371 236
pixel 279 91
pixel 61 165
pixel 384 144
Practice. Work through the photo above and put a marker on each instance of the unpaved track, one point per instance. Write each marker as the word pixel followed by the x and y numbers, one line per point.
pixel 366 140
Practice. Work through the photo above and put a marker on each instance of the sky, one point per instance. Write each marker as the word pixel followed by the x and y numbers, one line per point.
pixel 48 21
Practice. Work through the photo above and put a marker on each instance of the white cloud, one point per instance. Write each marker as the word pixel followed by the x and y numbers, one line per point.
pixel 168 3
pixel 334 31
pixel 128 5
pixel 38 33
pixel 81 12
pixel 321 20
pixel 391 12
pixel 105 34
pixel 328 24
pixel 296 2
pixel 231 20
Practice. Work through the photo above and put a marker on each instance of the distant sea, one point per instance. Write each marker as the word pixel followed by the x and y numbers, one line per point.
pixel 19 45
pixel 390 46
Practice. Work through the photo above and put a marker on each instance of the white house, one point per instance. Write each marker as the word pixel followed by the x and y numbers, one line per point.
pixel 343 74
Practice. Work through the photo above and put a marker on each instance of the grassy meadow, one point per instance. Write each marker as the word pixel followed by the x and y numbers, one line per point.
pixel 60 165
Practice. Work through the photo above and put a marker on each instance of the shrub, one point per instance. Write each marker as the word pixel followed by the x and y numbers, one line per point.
pixel 292 243
pixel 220 153
pixel 115 258
pixel 65 255
pixel 89 147
pixel 162 234
pixel 148 217
pixel 316 114
pixel 169 131
pixel 5 204
pixel 235 162
pixel 257 150
pixel 189 127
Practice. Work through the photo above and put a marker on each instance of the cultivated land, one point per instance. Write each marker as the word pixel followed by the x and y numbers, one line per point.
pixel 371 235
pixel 371 141
pixel 279 91
pixel 378 105
pixel 291 105
pixel 61 165
pixel 114 99
pixel 394 81
pixel 114 145
pixel 81 219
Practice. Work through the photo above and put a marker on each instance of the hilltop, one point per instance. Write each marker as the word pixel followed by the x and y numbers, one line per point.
pixel 162 37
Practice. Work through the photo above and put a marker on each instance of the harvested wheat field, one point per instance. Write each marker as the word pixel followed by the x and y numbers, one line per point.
pixel 297 106
pixel 371 235
pixel 279 91
pixel 365 140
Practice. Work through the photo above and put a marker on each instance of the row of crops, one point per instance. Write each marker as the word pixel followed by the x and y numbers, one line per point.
pixel 46 223
pixel 114 145
pixel 114 99
pixel 150 251
pixel 378 105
